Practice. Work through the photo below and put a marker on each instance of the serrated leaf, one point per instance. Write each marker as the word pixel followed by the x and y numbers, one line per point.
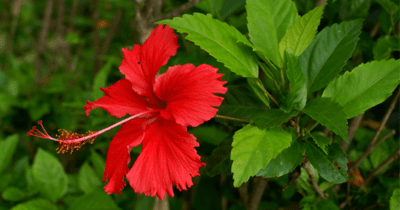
pixel 219 160
pixel 330 114
pixel 49 176
pixel 384 46
pixel 389 6
pixel 328 53
pixel 365 86
pixel 240 102
pixel 252 149
pixel 13 194
pixel 98 200
pixel 297 96
pixel 321 140
pixel 356 9
pixel 267 24
pixel 7 149
pixel 299 35
pixel 219 39
pixel 395 200
pixel 325 163
pixel 271 118
pixel 209 134
pixel 88 180
pixel 230 7
pixel 284 162
pixel 98 162
pixel 36 204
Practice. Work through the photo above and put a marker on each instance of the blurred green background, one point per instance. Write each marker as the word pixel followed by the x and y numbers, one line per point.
pixel 54 56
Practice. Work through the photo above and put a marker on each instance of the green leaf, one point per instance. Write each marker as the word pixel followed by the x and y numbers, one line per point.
pixel 101 78
pixel 259 89
pixel 365 86
pixel 36 204
pixel 297 96
pixel 326 185
pixel 285 162
pixel 209 134
pixel 98 200
pixel 220 40
pixel 395 200
pixel 230 7
pixel 330 114
pixel 321 140
pixel 389 6
pixel 88 180
pixel 325 163
pixel 326 205
pixel 327 54
pixel 356 9
pixel 267 24
pixel 301 33
pixel 211 6
pixel 383 151
pixel 13 194
pixel 98 162
pixel 219 161
pixel 271 118
pixel 252 149
pixel 385 46
pixel 7 149
pixel 240 102
pixel 49 175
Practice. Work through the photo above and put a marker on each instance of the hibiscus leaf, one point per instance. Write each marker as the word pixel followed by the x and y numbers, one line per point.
pixel 395 200
pixel 219 161
pixel 252 149
pixel 96 200
pixel 240 102
pixel 267 23
pixel 365 86
pixel 13 194
pixel 328 53
pixel 271 118
pixel 220 40
pixel 301 33
pixel 330 114
pixel 297 96
pixel 321 140
pixel 209 134
pixel 284 162
pixel 385 46
pixel 49 176
pixel 7 149
pixel 36 204
pixel 88 180
pixel 332 167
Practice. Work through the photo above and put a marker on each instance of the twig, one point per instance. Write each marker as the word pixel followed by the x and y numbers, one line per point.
pixel 44 31
pixel 375 29
pixel 369 150
pixel 161 204
pixel 307 166
pixel 372 144
pixel 224 200
pixel 388 160
pixel 320 2
pixel 244 194
pixel 96 40
pixel 353 125
pixel 178 10
pixel 258 187
pixel 348 199
pixel 230 118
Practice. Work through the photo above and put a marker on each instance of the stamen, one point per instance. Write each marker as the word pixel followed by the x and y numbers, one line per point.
pixel 71 141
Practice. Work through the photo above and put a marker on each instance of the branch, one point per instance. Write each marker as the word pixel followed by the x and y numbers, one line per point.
pixel 307 166
pixel 259 185
pixel 354 123
pixel 177 11
pixel 244 194
pixel 368 151
pixel 375 172
pixel 72 16
pixel 161 204
pixel 372 144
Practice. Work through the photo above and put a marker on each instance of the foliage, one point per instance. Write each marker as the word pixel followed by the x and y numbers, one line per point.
pixel 296 76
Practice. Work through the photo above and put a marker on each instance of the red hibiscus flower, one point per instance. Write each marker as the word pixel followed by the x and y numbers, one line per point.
pixel 166 105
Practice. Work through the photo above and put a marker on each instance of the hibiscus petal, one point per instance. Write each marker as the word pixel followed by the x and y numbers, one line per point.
pixel 120 100
pixel 188 93
pixel 130 135
pixel 168 156
pixel 141 64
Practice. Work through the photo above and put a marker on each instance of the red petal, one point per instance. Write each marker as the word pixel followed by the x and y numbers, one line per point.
pixel 120 100
pixel 141 64
pixel 167 157
pixel 130 135
pixel 188 93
